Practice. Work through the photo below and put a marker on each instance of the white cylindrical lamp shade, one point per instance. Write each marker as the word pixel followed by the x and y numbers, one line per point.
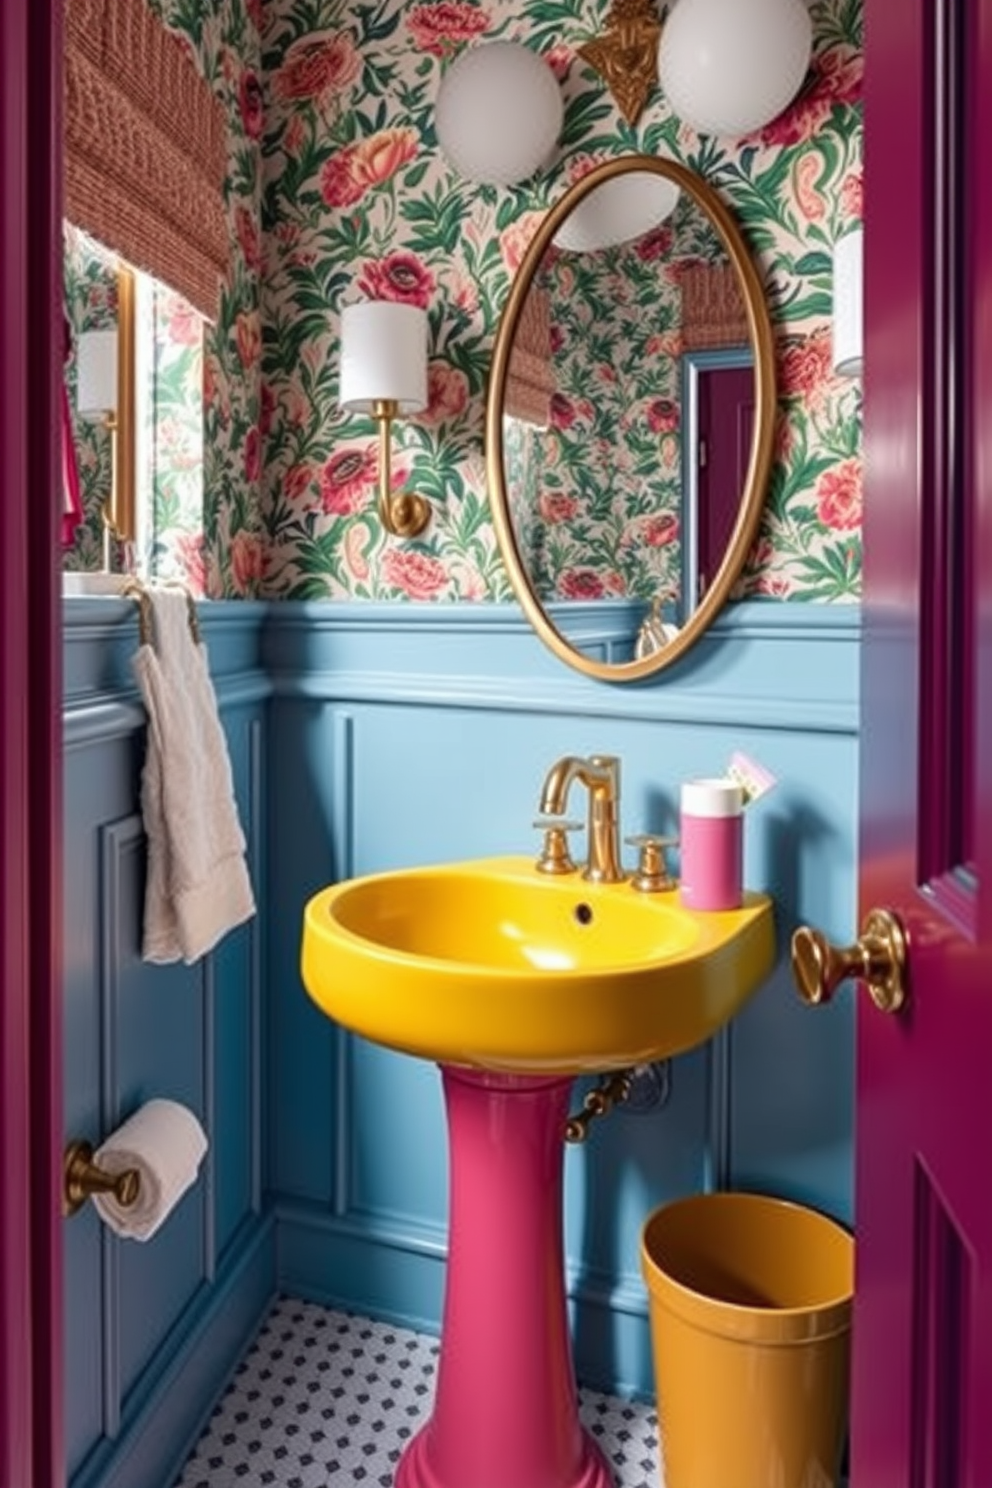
pixel 96 373
pixel 498 114
pixel 731 66
pixel 383 356
pixel 848 317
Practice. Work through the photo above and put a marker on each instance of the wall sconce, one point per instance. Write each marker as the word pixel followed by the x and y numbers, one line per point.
pixel 105 391
pixel 384 373
pixel 731 66
pixel 848 315
pixel 498 113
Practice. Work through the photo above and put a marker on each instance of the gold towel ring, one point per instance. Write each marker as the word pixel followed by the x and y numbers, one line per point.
pixel 135 589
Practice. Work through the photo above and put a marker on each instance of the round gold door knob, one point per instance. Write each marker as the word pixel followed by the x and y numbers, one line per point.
pixel 878 958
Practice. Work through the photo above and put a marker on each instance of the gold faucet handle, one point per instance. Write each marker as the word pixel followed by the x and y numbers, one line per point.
pixel 651 875
pixel 554 856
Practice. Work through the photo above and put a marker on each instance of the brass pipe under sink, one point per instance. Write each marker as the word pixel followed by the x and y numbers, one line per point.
pixel 611 1091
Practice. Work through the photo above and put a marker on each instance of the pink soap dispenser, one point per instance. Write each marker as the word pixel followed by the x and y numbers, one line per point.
pixel 712 842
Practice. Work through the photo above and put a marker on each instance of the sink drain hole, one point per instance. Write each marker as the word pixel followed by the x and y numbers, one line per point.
pixel 583 913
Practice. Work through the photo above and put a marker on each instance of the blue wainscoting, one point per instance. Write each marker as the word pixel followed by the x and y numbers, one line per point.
pixel 153 1329
pixel 403 734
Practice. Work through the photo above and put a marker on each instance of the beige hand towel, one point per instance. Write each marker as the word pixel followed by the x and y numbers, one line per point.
pixel 197 885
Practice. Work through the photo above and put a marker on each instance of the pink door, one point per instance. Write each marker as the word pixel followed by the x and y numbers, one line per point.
pixel 726 422
pixel 30 722
pixel 922 1385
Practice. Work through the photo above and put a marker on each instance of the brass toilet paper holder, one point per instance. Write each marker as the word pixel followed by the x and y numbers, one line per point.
pixel 82 1177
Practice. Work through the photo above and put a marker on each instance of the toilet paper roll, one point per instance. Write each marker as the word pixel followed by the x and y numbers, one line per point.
pixel 165 1143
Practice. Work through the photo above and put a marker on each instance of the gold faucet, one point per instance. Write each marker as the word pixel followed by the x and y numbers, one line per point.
pixel 600 774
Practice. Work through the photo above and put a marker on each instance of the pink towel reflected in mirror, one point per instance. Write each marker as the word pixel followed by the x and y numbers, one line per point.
pixel 72 504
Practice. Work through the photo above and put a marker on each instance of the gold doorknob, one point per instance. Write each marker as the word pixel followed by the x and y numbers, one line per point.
pixel 878 958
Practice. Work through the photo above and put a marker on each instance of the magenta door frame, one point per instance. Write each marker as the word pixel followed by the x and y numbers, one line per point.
pixel 30 747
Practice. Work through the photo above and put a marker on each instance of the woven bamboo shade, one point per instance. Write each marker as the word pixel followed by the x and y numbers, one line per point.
pixel 713 310
pixel 145 148
pixel 530 378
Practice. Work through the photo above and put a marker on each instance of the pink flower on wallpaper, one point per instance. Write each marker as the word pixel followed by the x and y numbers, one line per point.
pixel 294 136
pixel 447 393
pixel 660 530
pixel 662 415
pixel 805 366
pixel 318 66
pixel 805 176
pixel 355 543
pixel 250 103
pixel 838 496
pixel 189 552
pixel 557 337
pixel 515 240
pixel 559 59
pixel 185 325
pixel 298 480
pixel 581 583
pixel 399 276
pixel 440 27
pixel 253 454
pixel 665 343
pixel 247 561
pixel 775 586
pixel 563 411
pixel 248 336
pixel 346 481
pixel 254 9
pixel 852 196
pixel 555 506
pixel 835 77
pixel 581 165
pixel 246 228
pixel 654 244
pixel 418 575
pixel 370 162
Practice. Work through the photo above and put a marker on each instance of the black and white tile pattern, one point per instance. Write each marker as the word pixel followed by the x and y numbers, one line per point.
pixel 323 1398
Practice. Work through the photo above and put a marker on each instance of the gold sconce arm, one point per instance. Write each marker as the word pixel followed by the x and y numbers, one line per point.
pixel 81 1178
pixel 403 515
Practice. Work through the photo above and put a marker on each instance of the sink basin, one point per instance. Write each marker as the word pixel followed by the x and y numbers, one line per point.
pixel 492 965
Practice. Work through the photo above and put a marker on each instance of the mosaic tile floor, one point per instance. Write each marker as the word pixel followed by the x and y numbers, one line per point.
pixel 324 1398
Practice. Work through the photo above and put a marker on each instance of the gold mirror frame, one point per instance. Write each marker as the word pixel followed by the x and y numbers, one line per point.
pixel 759 467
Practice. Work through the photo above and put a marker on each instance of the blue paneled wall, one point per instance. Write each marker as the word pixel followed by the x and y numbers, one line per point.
pixel 152 1329
pixel 365 737
pixel 412 734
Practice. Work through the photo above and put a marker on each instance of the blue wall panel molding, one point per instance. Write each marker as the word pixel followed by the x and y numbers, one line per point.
pixel 153 1328
pixel 403 734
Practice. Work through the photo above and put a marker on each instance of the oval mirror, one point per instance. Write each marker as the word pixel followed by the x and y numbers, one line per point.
pixel 629 417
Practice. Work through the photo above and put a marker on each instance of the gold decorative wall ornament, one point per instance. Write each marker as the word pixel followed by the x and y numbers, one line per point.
pixel 625 54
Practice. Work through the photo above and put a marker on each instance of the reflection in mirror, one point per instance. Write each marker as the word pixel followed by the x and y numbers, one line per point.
pixel 629 419
pixel 152 431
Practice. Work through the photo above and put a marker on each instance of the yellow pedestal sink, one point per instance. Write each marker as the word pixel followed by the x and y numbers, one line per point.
pixel 493 965
pixel 515 981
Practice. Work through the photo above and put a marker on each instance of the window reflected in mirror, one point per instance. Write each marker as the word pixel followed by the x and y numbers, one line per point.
pixel 140 448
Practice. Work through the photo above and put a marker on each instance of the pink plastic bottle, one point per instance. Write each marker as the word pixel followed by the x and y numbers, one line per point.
pixel 712 842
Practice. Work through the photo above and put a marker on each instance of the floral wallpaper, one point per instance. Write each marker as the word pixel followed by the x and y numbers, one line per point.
pixel 598 494
pixel 214 543
pixel 359 202
pixel 90 281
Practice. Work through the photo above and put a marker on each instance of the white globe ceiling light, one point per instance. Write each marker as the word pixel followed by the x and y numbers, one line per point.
pixel 498 114
pixel 618 211
pixel 731 66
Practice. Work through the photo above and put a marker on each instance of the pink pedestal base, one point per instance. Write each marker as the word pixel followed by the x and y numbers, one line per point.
pixel 506 1409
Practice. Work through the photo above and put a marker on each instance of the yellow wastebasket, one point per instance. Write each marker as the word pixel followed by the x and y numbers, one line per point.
pixel 750 1305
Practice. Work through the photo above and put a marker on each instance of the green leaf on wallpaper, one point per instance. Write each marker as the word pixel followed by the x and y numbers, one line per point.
pixel 376 23
pixel 413 177
pixel 436 220
pixel 814 263
pixel 795 305
pixel 835 574
pixel 582 114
